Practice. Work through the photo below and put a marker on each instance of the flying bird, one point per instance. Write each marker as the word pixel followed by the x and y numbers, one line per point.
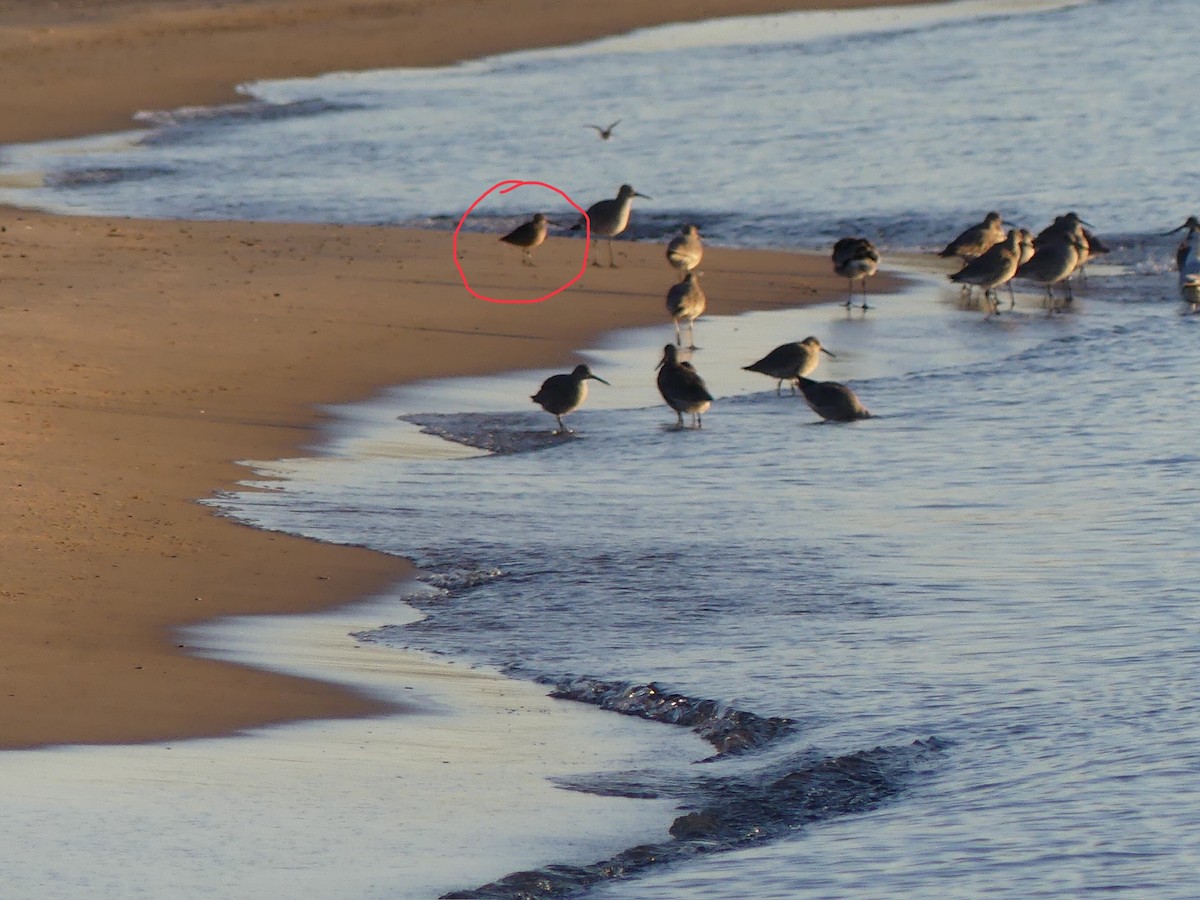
pixel 605 133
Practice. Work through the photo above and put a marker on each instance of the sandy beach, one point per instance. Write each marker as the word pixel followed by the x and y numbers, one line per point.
pixel 143 359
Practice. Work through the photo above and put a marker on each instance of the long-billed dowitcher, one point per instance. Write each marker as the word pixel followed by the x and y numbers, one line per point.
pixel 604 133
pixel 686 300
pixel 787 362
pixel 685 251
pixel 978 239
pixel 1053 261
pixel 561 394
pixel 1068 227
pixel 682 387
pixel 609 217
pixel 528 236
pixel 855 258
pixel 832 400
pixel 992 269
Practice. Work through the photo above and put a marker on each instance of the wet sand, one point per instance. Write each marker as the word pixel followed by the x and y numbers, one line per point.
pixel 142 359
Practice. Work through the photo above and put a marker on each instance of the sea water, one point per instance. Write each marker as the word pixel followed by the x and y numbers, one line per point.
pixel 950 649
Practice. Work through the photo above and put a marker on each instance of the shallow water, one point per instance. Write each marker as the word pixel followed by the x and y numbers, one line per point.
pixel 977 606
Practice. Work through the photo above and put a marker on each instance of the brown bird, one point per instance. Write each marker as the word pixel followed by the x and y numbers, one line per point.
pixel 832 401
pixel 528 236
pixel 992 269
pixel 682 387
pixel 685 251
pixel 686 300
pixel 977 239
pixel 561 394
pixel 787 362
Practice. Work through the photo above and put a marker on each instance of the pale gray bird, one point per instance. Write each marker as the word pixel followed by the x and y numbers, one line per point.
pixel 686 300
pixel 682 387
pixel 561 394
pixel 832 401
pixel 787 362
pixel 609 217
pixel 528 236
pixel 685 251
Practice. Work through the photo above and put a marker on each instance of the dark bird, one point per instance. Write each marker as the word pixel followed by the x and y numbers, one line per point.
pixel 685 251
pixel 686 300
pixel 1181 252
pixel 1053 261
pixel 787 362
pixel 561 394
pixel 855 258
pixel 832 401
pixel 682 387
pixel 528 236
pixel 977 239
pixel 605 133
pixel 608 218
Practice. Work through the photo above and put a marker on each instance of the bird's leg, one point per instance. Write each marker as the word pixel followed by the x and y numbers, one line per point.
pixel 1012 298
pixel 692 333
pixel 699 423
pixel 611 262
pixel 680 424
pixel 850 288
pixel 779 389
pixel 864 294
pixel 678 335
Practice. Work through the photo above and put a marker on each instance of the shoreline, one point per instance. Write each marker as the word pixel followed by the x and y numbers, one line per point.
pixel 144 357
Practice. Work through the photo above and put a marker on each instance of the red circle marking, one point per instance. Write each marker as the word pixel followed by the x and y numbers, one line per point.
pixel 512 185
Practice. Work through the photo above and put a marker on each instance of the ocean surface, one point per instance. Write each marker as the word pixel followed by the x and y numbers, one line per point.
pixel 952 650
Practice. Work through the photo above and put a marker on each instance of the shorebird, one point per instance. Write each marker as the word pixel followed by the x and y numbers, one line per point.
pixel 855 258
pixel 1071 228
pixel 1187 260
pixel 561 394
pixel 787 362
pixel 605 133
pixel 686 300
pixel 977 239
pixel 528 236
pixel 1025 250
pixel 832 401
pixel 1052 262
pixel 685 251
pixel 992 269
pixel 609 218
pixel 682 387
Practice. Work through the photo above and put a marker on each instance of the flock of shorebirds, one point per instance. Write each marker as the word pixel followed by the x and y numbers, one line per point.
pixel 678 381
pixel 992 257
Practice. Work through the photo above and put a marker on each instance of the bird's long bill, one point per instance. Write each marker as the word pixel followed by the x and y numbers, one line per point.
pixel 827 353
pixel 599 379
pixel 643 196
pixel 1188 224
